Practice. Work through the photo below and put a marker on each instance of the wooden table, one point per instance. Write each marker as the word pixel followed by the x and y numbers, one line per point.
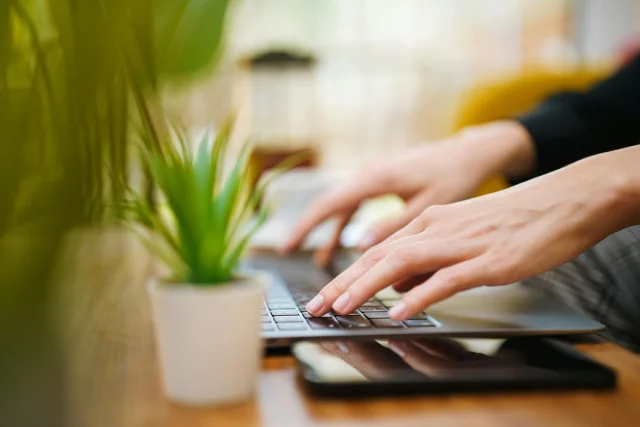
pixel 113 378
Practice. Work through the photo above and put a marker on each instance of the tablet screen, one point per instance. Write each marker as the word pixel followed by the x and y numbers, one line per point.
pixel 438 359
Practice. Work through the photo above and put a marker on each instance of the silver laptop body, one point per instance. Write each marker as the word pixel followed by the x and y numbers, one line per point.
pixel 484 312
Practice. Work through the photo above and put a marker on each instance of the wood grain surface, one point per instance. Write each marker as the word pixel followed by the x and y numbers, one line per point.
pixel 112 376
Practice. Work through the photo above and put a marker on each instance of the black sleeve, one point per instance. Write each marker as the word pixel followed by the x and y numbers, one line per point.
pixel 571 126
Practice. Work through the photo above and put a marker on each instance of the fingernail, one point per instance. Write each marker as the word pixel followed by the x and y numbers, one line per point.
pixel 341 303
pixel 344 347
pixel 398 311
pixel 367 241
pixel 315 304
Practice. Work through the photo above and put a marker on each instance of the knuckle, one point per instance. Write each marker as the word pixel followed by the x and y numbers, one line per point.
pixel 420 222
pixel 375 255
pixel 433 211
pixel 338 286
pixel 430 214
pixel 403 257
pixel 491 228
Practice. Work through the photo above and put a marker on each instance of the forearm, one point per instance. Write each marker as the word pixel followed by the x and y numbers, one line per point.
pixel 603 192
pixel 498 148
pixel 506 148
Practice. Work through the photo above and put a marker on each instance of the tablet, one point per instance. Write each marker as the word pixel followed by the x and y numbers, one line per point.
pixel 437 365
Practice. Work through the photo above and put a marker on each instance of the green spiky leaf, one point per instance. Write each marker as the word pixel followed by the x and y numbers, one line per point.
pixel 201 230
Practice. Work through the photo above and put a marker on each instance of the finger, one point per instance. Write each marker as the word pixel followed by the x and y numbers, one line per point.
pixel 419 223
pixel 341 199
pixel 409 283
pixel 323 256
pixel 322 302
pixel 384 229
pixel 415 226
pixel 401 263
pixel 442 285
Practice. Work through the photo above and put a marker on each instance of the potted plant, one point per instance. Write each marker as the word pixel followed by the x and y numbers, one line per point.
pixel 206 310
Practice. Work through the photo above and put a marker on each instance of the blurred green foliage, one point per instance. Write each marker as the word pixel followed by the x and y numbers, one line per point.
pixel 203 229
pixel 80 84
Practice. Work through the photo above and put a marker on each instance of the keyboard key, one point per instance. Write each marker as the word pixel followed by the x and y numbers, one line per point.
pixel 278 296
pixel 278 300
pixel 285 312
pixel 263 311
pixel 377 315
pixel 265 319
pixel 323 323
pixel 386 323
pixel 268 326
pixel 292 326
pixel 369 309
pixel 308 316
pixel 287 319
pixel 418 316
pixel 418 323
pixel 299 297
pixel 353 322
pixel 390 303
pixel 281 306
pixel 372 304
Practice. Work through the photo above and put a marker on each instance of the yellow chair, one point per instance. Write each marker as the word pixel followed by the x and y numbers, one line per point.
pixel 512 96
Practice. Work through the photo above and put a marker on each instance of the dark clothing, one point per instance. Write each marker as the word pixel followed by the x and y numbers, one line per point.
pixel 571 126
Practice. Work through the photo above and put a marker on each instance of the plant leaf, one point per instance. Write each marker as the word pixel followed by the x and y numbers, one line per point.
pixel 231 260
pixel 189 35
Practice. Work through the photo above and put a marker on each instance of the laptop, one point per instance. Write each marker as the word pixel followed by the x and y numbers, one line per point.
pixel 484 312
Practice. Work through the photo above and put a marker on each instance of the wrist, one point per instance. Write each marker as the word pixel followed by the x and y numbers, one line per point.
pixel 623 180
pixel 499 148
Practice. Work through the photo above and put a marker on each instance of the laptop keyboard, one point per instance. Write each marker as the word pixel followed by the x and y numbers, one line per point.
pixel 295 281
pixel 285 314
pixel 284 305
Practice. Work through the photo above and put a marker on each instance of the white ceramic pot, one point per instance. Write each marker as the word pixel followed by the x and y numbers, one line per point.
pixel 208 339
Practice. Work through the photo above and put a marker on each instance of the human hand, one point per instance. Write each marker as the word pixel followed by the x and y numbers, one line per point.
pixel 431 174
pixel 495 239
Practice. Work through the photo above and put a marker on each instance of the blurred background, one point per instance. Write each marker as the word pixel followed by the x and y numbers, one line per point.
pixel 352 79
